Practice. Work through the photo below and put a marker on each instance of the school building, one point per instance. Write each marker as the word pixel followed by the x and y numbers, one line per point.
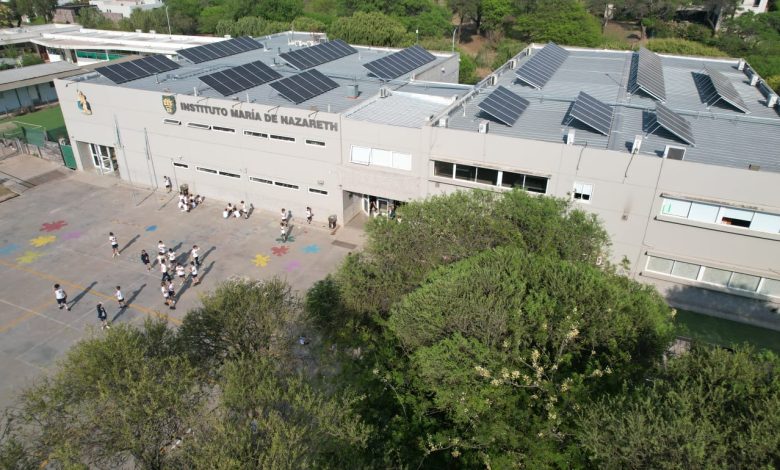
pixel 677 156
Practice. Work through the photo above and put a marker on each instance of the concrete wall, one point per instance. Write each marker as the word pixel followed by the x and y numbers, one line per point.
pixel 446 72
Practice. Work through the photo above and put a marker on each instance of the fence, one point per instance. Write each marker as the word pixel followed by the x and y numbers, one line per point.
pixel 48 144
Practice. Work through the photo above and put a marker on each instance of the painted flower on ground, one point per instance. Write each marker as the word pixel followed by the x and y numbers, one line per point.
pixel 28 257
pixel 280 250
pixel 52 226
pixel 260 260
pixel 42 240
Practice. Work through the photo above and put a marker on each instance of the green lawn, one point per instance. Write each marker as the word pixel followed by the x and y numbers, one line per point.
pixel 725 332
pixel 50 118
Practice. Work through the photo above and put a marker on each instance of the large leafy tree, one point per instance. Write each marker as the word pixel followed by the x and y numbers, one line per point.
pixel 710 408
pixel 114 399
pixel 374 29
pixel 565 22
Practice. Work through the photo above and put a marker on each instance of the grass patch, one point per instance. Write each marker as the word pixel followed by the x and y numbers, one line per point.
pixel 50 118
pixel 725 332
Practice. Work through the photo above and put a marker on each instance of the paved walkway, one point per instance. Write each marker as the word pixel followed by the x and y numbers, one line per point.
pixel 57 232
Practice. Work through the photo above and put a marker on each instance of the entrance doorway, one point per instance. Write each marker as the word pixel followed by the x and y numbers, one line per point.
pixel 376 205
pixel 104 158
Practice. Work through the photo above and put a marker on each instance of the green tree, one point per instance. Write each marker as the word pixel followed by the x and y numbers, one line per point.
pixel 30 59
pixel 93 18
pixel 710 408
pixel 497 353
pixel 278 10
pixel 373 29
pixel 124 395
pixel 467 72
pixel 565 22
pixel 211 15
pixel 265 420
pixel 496 14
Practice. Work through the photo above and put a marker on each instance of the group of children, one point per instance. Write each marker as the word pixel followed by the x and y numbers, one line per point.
pixel 62 302
pixel 236 211
pixel 284 225
pixel 187 203
pixel 170 267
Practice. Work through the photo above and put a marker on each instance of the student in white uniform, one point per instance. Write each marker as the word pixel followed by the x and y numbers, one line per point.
pixel 114 244
pixel 182 273
pixel 120 297
pixel 61 297
pixel 194 273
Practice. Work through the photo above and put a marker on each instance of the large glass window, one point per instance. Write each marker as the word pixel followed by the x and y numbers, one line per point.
pixel 716 276
pixel 676 208
pixel 103 157
pixel 685 270
pixel 770 287
pixel 465 172
pixel 535 184
pixel 512 180
pixel 443 169
pixel 487 176
pixel 722 215
pixel 659 265
pixel 744 282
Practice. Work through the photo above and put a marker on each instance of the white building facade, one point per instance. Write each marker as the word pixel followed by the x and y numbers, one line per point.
pixel 699 220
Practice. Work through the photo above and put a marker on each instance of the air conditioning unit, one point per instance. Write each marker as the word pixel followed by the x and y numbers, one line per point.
pixel 384 92
pixel 570 137
pixel 442 122
pixel 741 64
pixel 753 79
pixel 483 127
pixel 636 145
pixel 512 63
pixel 772 100
pixel 492 80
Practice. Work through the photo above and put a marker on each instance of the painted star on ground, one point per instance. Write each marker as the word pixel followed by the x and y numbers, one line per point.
pixel 52 226
pixel 280 250
pixel 42 240
pixel 8 249
pixel 311 249
pixel 28 257
pixel 261 260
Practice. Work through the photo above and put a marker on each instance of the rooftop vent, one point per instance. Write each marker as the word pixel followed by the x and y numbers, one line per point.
pixel 772 100
pixel 512 63
pixel 637 145
pixel 483 127
pixel 492 80
pixel 753 79
pixel 384 92
pixel 443 122
pixel 353 91
pixel 570 137
pixel 674 153
pixel 741 64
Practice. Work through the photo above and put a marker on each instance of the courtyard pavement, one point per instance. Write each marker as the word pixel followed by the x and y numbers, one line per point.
pixel 56 231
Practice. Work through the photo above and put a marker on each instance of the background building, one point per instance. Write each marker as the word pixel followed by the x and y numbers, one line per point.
pixel 677 156
pixel 118 9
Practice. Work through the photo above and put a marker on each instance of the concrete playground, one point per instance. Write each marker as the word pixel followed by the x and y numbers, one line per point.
pixel 56 231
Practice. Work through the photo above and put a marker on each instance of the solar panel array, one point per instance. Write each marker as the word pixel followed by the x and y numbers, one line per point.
pixel 135 69
pixel 674 123
pixel 313 56
pixel 726 91
pixel 237 79
pixel 592 112
pixel 217 50
pixel 650 74
pixel 399 63
pixel 303 86
pixel 538 70
pixel 504 105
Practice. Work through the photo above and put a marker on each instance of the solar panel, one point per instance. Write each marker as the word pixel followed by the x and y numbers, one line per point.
pixel 234 80
pixel 303 86
pixel 399 63
pixel 538 70
pixel 726 91
pixel 674 123
pixel 313 56
pixel 504 105
pixel 220 49
pixel 141 68
pixel 592 112
pixel 650 74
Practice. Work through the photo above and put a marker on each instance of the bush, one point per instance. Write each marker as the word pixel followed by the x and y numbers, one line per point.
pixel 373 29
pixel 31 59
pixel 505 50
pixel 774 82
pixel 468 69
pixel 683 47
pixel 304 23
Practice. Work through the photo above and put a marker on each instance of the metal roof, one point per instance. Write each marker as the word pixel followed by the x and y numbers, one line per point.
pixel 724 136
pixel 346 71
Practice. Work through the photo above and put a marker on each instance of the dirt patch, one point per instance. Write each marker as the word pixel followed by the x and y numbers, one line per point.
pixel 623 31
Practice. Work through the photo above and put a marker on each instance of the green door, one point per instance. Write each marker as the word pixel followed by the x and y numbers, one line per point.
pixel 67 156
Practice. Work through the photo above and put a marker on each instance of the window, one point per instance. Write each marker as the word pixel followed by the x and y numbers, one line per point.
pixel 735 217
pixel 196 125
pixel 765 222
pixel 685 270
pixel 379 157
pixel 206 170
pixel 444 169
pixel 172 122
pixel 703 212
pixel 770 287
pixel 582 191
pixel 744 282
pixel 512 180
pixel 285 185
pixel 231 175
pixel 256 134
pixel 180 165
pixel 487 176
pixel 715 276
pixel 465 172
pixel 316 143
pixel 535 184
pixel 318 191
pixel 722 215
pixel 223 129
pixel 756 3
pixel 283 137
pixel 675 207
pixel 260 180
pixel 660 265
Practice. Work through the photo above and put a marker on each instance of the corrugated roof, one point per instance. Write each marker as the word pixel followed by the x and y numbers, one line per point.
pixel 35 71
pixel 400 109
pixel 723 135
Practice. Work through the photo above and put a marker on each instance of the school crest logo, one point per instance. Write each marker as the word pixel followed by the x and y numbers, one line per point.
pixel 83 104
pixel 169 103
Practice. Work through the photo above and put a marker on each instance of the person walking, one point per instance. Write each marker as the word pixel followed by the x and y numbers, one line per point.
pixel 164 270
pixel 244 210
pixel 181 273
pixel 195 254
pixel 171 256
pixel 120 297
pixel 171 290
pixel 167 300
pixel 102 316
pixel 284 215
pixel 61 296
pixel 145 260
pixel 114 244
pixel 309 215
pixel 167 182
pixel 194 273
pixel 160 247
